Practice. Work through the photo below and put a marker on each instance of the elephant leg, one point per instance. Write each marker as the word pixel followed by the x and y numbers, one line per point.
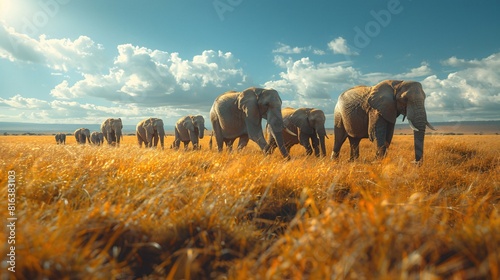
pixel 354 143
pixel 139 141
pixel 381 129
pixel 315 145
pixel 340 135
pixel 304 141
pixel 219 139
pixel 229 144
pixel 242 143
pixel 155 140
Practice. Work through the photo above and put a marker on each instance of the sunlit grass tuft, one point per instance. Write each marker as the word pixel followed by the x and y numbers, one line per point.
pixel 105 212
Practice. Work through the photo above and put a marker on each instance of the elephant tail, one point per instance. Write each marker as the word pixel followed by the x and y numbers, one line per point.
pixel 211 141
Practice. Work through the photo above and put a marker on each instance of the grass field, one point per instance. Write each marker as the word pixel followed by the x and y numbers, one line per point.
pixel 119 213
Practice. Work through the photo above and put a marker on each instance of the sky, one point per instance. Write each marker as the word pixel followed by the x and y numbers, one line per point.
pixel 70 61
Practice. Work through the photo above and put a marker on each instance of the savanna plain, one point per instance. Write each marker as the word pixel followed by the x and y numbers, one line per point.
pixel 87 212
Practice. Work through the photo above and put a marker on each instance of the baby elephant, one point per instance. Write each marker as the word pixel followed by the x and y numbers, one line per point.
pixel 97 138
pixel 304 126
pixel 61 138
pixel 189 129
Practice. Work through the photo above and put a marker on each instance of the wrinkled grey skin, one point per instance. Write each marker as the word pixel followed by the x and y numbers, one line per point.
pixel 97 138
pixel 112 131
pixel 189 129
pixel 148 131
pixel 60 138
pixel 82 135
pixel 371 112
pixel 239 115
pixel 308 124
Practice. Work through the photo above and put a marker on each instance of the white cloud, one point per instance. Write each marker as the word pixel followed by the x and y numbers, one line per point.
pixel 18 108
pixel 312 84
pixel 471 92
pixel 286 49
pixel 81 55
pixel 155 78
pixel 339 46
pixel 423 70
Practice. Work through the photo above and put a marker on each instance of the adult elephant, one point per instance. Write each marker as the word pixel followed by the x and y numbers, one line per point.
pixel 371 112
pixel 189 129
pixel 97 138
pixel 239 114
pixel 148 131
pixel 82 135
pixel 308 125
pixel 61 138
pixel 112 131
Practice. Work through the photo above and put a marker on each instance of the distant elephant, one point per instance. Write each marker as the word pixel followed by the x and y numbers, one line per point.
pixel 97 138
pixel 371 112
pixel 239 115
pixel 189 129
pixel 148 131
pixel 112 131
pixel 61 138
pixel 309 126
pixel 82 135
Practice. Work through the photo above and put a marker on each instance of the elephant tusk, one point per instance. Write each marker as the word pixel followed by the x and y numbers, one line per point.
pixel 290 132
pixel 430 126
pixel 412 126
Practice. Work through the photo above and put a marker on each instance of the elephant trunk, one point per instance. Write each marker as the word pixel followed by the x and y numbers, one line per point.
pixel 119 136
pixel 417 118
pixel 275 122
pixel 321 135
pixel 161 134
pixel 201 131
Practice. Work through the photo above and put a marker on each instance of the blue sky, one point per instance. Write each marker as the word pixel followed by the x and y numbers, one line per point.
pixel 69 61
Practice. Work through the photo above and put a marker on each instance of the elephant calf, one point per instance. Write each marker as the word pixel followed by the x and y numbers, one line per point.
pixel 97 138
pixel 189 129
pixel 82 135
pixel 61 138
pixel 304 126
pixel 148 131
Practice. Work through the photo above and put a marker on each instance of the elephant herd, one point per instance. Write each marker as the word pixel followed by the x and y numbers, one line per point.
pixel 361 112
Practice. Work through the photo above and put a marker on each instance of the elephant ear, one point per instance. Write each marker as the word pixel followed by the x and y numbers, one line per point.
pixel 188 124
pixel 300 118
pixel 248 103
pixel 383 99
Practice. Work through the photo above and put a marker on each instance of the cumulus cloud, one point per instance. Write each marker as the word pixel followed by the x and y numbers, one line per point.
pixel 473 90
pixel 81 54
pixel 156 78
pixel 418 72
pixel 35 110
pixel 339 46
pixel 306 83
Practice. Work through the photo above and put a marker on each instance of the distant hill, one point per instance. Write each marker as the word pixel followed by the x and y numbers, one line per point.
pixel 466 127
pixel 45 128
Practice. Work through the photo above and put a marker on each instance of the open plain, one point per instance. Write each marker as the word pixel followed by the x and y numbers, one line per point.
pixel 106 212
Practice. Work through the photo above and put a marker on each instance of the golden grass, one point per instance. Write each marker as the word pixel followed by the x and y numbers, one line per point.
pixel 104 212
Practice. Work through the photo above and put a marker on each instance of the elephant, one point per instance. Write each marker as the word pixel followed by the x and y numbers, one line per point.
pixel 82 135
pixel 112 131
pixel 308 124
pixel 97 138
pixel 150 130
pixel 189 129
pixel 239 115
pixel 61 138
pixel 371 112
